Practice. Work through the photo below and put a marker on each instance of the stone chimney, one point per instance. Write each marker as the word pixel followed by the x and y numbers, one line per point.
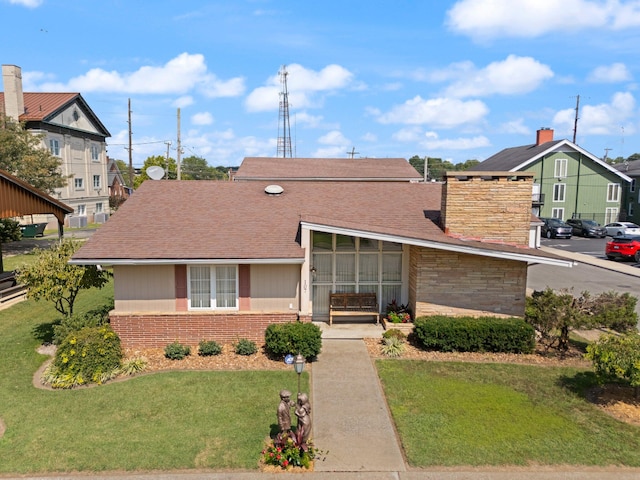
pixel 488 206
pixel 544 135
pixel 13 97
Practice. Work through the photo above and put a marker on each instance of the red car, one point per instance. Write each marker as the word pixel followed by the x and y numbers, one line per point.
pixel 624 246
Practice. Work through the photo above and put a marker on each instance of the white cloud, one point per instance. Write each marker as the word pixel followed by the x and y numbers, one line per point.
pixel 515 126
pixel 616 72
pixel 330 152
pixel 306 119
pixel 179 75
pixel 369 137
pixel 202 118
pixel 184 101
pixel 410 134
pixel 602 119
pixel 488 19
pixel 514 75
pixel 437 112
pixel 433 142
pixel 303 86
pixel 27 3
pixel 333 137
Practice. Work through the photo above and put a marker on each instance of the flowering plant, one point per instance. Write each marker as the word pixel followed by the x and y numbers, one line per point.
pixel 287 450
pixel 397 317
pixel 398 313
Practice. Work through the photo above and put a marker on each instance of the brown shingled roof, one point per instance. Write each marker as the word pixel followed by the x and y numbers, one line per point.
pixel 187 221
pixel 337 169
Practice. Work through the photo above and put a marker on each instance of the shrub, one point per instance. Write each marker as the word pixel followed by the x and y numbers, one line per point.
pixel 245 347
pixel 467 334
pixel 293 338
pixel 177 351
pixel 209 348
pixel 555 314
pixel 92 354
pixel 394 333
pixel 133 366
pixel 73 323
pixel 392 347
pixel 617 357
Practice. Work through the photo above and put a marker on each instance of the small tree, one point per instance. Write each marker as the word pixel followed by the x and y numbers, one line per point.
pixel 617 357
pixel 52 278
pixel 555 315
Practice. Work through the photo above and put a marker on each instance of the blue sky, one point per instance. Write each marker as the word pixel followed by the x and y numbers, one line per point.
pixel 450 79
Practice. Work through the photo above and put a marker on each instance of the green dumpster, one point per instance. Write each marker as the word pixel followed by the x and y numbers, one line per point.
pixel 33 230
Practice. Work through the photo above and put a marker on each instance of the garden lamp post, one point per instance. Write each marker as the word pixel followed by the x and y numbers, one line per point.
pixel 298 365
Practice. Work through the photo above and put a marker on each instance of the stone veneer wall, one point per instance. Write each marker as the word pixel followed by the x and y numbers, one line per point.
pixel 457 284
pixel 157 330
pixel 494 206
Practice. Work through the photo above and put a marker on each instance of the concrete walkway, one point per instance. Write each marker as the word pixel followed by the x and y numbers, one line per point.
pixel 350 414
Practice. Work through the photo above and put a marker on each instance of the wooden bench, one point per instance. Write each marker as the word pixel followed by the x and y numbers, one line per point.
pixel 353 304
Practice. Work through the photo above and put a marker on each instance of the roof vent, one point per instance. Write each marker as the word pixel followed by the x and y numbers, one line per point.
pixel 273 190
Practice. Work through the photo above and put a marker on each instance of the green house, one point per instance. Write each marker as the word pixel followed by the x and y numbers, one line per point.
pixel 631 193
pixel 569 182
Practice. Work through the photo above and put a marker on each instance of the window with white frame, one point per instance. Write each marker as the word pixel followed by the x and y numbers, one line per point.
pixel 613 192
pixel 95 153
pixel 54 147
pixel 97 183
pixel 78 183
pixel 560 170
pixel 81 210
pixel 213 287
pixel 557 213
pixel 630 209
pixel 559 192
pixel 99 207
pixel 632 188
pixel 610 215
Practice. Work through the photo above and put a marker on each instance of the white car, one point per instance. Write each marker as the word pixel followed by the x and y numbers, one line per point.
pixel 622 228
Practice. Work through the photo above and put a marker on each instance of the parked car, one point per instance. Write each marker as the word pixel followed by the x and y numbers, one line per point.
pixel 555 228
pixel 587 228
pixel 622 228
pixel 623 247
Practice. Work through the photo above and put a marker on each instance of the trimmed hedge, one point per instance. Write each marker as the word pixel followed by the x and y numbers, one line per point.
pixel 295 337
pixel 469 334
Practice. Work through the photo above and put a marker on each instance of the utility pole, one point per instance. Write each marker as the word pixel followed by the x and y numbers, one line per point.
pixel 130 149
pixel 606 154
pixel 166 173
pixel 353 152
pixel 575 123
pixel 179 145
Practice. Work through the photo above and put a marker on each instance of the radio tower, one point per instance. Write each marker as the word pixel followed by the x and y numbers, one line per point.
pixel 284 140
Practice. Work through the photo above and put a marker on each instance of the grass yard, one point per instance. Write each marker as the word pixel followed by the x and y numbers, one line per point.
pixel 166 421
pixel 502 414
pixel 15 261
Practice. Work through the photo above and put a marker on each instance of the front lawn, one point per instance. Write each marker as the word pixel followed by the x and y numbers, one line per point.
pixel 502 414
pixel 166 421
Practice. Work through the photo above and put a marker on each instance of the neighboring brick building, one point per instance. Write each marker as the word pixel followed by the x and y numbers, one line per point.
pixel 221 260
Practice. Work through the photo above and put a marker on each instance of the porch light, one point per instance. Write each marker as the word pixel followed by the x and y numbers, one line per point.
pixel 298 365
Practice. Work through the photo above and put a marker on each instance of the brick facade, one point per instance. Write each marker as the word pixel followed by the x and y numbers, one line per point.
pixel 450 283
pixel 491 206
pixel 157 330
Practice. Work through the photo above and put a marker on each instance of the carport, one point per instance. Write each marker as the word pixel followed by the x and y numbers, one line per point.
pixel 18 198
